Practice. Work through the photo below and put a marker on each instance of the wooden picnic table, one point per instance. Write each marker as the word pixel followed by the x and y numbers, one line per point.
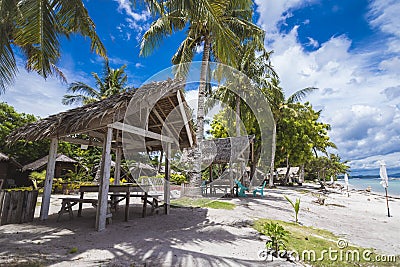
pixel 118 193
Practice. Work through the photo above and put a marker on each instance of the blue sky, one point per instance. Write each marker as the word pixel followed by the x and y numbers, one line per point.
pixel 350 50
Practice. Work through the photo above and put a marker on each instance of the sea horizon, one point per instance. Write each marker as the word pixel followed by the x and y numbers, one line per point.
pixel 362 182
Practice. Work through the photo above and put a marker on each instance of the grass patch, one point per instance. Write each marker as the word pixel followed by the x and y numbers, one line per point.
pixel 304 238
pixel 202 203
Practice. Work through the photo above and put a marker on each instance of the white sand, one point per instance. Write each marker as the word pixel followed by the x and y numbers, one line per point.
pixel 198 237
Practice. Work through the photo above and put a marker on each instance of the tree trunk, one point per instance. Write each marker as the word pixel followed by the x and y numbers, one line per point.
pixel 288 179
pixel 195 182
pixel 160 161
pixel 237 116
pixel 272 167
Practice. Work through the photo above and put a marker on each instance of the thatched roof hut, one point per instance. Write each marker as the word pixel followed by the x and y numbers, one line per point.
pixel 40 164
pixel 93 119
pixel 64 164
pixel 154 115
pixel 5 158
pixel 9 170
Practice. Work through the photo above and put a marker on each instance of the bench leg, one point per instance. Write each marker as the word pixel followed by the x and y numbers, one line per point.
pixel 80 205
pixel 154 206
pixel 61 211
pixel 66 206
pixel 144 205
pixel 127 207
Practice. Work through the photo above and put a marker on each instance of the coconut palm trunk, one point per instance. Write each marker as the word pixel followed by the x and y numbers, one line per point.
pixel 272 167
pixel 195 182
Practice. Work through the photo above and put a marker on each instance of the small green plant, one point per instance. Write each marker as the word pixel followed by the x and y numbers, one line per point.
pixel 73 250
pixel 277 235
pixel 296 207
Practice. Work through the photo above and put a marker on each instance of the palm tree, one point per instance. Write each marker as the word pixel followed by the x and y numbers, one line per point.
pixel 36 27
pixel 220 27
pixel 113 82
pixel 277 102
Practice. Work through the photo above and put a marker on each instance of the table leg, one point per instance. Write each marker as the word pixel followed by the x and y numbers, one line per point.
pixel 80 205
pixel 127 206
pixel 144 205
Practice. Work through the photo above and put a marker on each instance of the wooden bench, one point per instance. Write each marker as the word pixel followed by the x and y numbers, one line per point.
pixel 68 202
pixel 153 202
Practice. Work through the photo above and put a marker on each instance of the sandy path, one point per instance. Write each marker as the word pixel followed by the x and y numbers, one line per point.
pixel 197 237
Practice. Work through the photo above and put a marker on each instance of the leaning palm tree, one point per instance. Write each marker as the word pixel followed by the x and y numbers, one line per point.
pixel 220 27
pixel 113 82
pixel 36 27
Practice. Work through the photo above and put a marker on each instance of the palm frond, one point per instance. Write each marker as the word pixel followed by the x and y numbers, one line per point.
pixel 75 99
pixel 36 33
pixel 8 68
pixel 184 55
pixel 73 17
pixel 299 95
pixel 153 36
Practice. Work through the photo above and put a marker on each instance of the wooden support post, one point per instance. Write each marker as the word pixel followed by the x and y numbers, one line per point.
pixel 51 164
pixel 101 214
pixel 167 179
pixel 231 185
pixel 117 171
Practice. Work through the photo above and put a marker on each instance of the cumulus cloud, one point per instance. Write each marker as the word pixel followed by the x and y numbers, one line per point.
pixel 136 22
pixel 126 6
pixel 360 102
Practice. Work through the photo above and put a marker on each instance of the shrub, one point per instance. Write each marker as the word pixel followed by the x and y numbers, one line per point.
pixel 277 235
pixel 178 178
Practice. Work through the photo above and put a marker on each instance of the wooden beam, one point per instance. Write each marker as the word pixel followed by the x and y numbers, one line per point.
pixel 96 134
pixel 48 182
pixel 167 179
pixel 101 214
pixel 139 131
pixel 79 141
pixel 166 126
pixel 184 117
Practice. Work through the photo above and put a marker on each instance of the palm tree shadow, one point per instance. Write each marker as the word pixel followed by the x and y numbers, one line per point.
pixel 159 240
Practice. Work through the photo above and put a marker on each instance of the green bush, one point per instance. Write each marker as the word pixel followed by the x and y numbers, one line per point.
pixel 178 178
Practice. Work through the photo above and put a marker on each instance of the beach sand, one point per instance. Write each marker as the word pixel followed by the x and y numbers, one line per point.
pixel 197 236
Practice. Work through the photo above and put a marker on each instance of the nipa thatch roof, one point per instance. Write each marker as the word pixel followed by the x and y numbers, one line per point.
pixel 92 119
pixel 4 157
pixel 41 163
pixel 224 150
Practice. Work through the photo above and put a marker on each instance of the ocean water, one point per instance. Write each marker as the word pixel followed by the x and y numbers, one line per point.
pixel 374 182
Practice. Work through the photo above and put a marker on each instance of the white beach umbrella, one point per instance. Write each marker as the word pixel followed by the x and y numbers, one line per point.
pixel 384 182
pixel 346 180
pixel 384 176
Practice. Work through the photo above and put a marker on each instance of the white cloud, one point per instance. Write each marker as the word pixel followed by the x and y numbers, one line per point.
pixel 360 102
pixel 312 42
pixel 139 65
pixel 384 15
pixel 33 95
pixel 126 5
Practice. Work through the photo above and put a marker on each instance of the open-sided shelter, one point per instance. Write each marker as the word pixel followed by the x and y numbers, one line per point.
pixel 224 151
pixel 104 122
